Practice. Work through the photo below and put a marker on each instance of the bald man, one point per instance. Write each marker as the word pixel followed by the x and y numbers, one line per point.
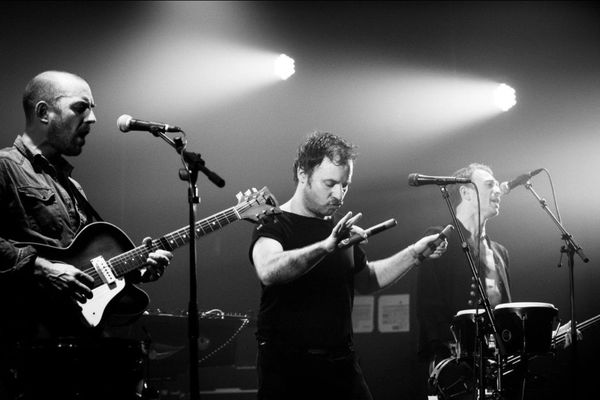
pixel 41 203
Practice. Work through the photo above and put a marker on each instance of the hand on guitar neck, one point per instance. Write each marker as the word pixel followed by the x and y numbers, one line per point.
pixel 156 263
pixel 564 330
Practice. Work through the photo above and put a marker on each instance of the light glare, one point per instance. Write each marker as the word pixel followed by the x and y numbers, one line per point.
pixel 284 67
pixel 505 97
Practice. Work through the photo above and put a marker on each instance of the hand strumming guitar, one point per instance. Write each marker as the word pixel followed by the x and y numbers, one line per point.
pixel 63 278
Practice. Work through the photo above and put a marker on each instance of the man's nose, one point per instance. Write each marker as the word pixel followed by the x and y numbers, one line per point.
pixel 338 192
pixel 91 118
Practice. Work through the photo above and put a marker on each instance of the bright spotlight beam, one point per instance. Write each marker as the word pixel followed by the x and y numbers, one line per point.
pixel 505 97
pixel 284 67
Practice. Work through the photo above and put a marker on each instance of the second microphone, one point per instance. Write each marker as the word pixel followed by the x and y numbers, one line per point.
pixel 356 238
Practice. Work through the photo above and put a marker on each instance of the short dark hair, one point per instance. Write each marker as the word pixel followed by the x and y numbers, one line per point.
pixel 36 90
pixel 319 145
pixel 466 172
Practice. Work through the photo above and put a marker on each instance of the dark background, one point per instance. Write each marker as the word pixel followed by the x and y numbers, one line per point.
pixel 406 81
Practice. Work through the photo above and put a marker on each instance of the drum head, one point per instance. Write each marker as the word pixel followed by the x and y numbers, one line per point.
pixel 470 312
pixel 524 305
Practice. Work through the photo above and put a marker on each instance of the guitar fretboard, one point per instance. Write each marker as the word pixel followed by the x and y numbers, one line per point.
pixel 136 258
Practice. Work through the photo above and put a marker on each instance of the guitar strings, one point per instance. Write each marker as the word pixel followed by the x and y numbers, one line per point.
pixel 119 263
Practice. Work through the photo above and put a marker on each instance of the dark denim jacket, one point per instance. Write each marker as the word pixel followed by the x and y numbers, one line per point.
pixel 34 205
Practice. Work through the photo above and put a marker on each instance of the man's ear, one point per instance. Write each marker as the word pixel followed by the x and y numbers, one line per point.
pixel 465 193
pixel 301 175
pixel 41 111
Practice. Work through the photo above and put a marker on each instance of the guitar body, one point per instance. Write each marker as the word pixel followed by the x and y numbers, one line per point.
pixel 104 252
pixel 122 301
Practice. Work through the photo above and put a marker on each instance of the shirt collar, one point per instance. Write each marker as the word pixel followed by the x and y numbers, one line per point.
pixel 26 146
pixel 469 235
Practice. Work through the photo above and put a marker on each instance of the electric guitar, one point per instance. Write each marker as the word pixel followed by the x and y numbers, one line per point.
pixel 104 251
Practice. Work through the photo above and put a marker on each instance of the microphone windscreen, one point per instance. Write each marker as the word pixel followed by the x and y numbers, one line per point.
pixel 413 179
pixel 123 122
pixel 504 188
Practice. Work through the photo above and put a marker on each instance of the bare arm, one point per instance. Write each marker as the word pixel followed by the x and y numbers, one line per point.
pixel 382 273
pixel 276 266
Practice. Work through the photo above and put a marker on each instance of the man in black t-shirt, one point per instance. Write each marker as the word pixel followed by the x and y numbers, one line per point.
pixel 304 324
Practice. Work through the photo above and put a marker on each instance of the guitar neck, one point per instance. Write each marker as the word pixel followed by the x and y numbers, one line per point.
pixel 136 258
pixel 558 340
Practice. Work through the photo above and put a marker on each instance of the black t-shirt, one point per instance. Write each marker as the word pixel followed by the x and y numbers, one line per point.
pixel 315 309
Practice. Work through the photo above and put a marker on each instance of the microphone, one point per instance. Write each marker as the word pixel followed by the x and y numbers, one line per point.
pixel 356 238
pixel 436 242
pixel 418 180
pixel 506 187
pixel 126 123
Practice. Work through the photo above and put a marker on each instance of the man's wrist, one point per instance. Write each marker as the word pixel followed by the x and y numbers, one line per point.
pixel 413 253
pixel 328 245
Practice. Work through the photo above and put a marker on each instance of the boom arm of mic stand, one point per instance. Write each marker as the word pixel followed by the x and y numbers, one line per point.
pixel 482 294
pixel 571 249
pixel 566 236
pixel 194 160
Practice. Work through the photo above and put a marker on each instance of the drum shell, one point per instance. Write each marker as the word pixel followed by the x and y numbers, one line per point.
pixel 453 379
pixel 464 331
pixel 526 328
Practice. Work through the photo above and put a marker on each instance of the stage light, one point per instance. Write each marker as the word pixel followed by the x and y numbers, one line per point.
pixel 284 67
pixel 505 97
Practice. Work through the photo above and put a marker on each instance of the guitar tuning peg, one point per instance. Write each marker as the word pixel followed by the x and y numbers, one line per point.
pixel 238 196
pixel 254 189
pixel 247 192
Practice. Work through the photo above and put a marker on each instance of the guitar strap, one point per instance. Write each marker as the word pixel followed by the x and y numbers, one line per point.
pixel 82 201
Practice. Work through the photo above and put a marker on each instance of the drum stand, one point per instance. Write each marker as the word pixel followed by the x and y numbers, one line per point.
pixel 491 322
pixel 522 367
pixel 193 163
pixel 570 248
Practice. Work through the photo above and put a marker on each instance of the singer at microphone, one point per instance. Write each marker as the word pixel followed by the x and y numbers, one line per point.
pixel 447 285
pixel 43 204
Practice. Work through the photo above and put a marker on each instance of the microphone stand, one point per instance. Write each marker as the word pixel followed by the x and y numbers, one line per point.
pixel 486 305
pixel 570 248
pixel 193 164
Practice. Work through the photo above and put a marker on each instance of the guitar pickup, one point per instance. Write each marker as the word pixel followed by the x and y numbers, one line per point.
pixel 104 270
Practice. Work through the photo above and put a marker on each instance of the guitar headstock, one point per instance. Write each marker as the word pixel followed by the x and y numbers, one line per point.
pixel 255 205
